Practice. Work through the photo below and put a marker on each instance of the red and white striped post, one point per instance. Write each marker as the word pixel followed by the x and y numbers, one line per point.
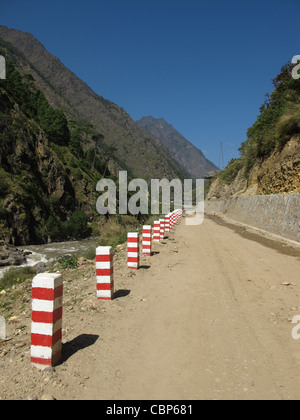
pixel 46 320
pixel 167 223
pixel 146 240
pixel 179 214
pixel 174 218
pixel 156 231
pixel 162 228
pixel 171 220
pixel 176 215
pixel 105 272
pixel 133 250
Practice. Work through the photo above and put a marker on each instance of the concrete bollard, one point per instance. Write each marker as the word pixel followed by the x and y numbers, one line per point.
pixel 105 273
pixel 172 220
pixel 146 240
pixel 2 328
pixel 133 250
pixel 167 223
pixel 46 324
pixel 156 231
pixel 176 216
pixel 179 214
pixel 162 228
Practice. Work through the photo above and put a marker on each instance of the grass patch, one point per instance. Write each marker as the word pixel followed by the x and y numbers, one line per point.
pixel 16 276
pixel 90 254
pixel 229 174
pixel 67 262
pixel 115 231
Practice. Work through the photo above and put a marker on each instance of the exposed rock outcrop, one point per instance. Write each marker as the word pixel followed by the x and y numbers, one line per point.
pixel 280 173
pixel 11 256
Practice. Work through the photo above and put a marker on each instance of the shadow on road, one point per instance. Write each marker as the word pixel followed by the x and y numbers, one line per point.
pixel 121 293
pixel 77 344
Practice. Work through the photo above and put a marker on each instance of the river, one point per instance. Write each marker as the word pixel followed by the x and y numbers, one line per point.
pixel 50 252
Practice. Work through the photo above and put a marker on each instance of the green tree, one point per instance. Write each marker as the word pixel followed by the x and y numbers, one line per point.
pixel 55 125
pixel 75 143
pixel 78 224
pixel 53 229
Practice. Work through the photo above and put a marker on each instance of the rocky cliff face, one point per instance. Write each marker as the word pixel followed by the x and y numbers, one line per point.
pixel 280 173
pixel 32 177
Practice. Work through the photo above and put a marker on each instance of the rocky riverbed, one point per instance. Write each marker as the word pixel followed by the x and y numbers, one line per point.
pixel 10 255
pixel 38 256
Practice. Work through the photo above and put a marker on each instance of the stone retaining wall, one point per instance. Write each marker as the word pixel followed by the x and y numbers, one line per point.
pixel 276 213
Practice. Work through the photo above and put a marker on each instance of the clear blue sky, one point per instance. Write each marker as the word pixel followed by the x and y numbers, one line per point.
pixel 203 65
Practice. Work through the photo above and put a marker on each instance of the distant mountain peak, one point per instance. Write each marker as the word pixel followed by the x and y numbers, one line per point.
pixel 134 150
pixel 189 157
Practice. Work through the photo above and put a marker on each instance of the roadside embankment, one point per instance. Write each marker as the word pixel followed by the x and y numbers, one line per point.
pixel 277 214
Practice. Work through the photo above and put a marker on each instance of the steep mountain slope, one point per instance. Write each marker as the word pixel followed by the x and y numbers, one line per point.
pixel 138 152
pixel 191 159
pixel 270 157
pixel 47 182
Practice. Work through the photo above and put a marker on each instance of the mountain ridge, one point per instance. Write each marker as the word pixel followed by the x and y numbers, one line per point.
pixel 137 151
pixel 188 156
pixel 58 138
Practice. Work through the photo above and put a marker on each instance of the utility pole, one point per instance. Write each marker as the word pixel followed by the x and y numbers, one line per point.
pixel 221 157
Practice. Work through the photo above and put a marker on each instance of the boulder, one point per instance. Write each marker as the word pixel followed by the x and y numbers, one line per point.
pixel 10 255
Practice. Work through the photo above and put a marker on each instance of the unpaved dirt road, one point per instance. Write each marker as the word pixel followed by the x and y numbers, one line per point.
pixel 206 317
